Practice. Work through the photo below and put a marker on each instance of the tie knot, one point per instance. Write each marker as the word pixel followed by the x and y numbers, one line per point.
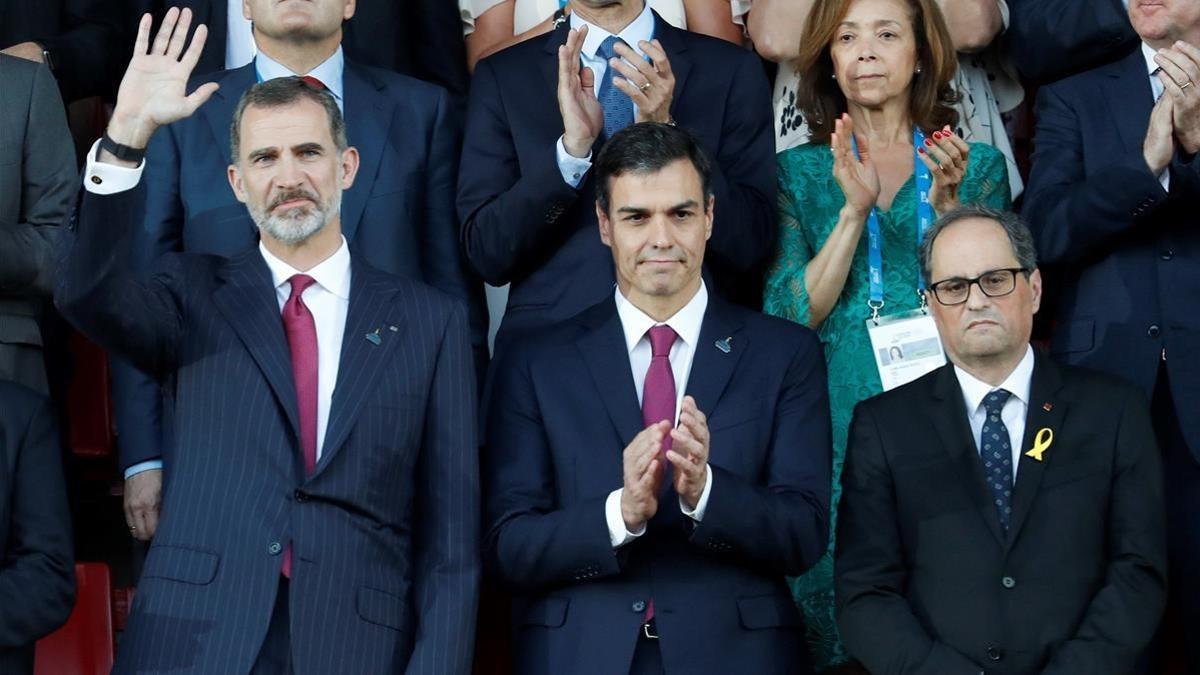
pixel 995 400
pixel 661 339
pixel 314 82
pixel 300 282
pixel 609 46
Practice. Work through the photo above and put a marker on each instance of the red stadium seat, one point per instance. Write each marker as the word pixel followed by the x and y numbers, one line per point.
pixel 84 645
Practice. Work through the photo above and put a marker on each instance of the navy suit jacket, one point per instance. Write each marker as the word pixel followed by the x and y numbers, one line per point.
pixel 1048 40
pixel 562 409
pixel 37 577
pixel 384 532
pixel 413 37
pixel 521 223
pixel 398 215
pixel 1128 252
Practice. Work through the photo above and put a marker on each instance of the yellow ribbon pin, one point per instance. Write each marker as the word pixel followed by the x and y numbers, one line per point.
pixel 1041 443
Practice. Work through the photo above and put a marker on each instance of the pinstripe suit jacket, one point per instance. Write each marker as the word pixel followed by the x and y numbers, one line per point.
pixel 384 532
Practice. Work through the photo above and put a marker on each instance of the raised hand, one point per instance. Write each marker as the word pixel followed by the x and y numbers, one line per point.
pixel 1180 76
pixel 153 91
pixel 689 453
pixel 650 85
pixel 583 118
pixel 1159 146
pixel 642 470
pixel 857 177
pixel 946 155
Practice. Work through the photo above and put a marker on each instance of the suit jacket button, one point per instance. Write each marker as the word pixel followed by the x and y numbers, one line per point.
pixel 1152 331
pixel 1167 254
pixel 274 548
pixel 994 654
pixel 1008 582
pixel 301 496
pixel 638 606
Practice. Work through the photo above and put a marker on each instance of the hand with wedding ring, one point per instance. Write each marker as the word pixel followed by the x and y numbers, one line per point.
pixel 1180 73
pixel 650 84
pixel 946 155
pixel 143 499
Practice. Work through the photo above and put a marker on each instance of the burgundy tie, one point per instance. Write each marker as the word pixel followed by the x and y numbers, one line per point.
pixel 658 391
pixel 314 82
pixel 658 396
pixel 301 333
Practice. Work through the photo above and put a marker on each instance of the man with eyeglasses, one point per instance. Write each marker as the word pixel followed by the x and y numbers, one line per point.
pixel 1021 529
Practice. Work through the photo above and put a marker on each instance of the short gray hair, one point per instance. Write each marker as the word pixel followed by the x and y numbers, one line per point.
pixel 1018 233
pixel 280 92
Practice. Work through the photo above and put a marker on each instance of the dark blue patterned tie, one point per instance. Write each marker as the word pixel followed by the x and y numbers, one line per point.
pixel 995 450
pixel 618 107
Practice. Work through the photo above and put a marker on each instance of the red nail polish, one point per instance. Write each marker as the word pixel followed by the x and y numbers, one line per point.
pixel 937 135
pixel 928 142
pixel 921 150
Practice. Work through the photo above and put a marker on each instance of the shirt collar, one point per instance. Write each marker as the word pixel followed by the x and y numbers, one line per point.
pixel 1017 383
pixel 1148 53
pixel 686 322
pixel 329 72
pixel 332 273
pixel 641 28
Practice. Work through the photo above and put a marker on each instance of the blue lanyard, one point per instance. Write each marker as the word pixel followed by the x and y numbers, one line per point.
pixel 875 237
pixel 562 4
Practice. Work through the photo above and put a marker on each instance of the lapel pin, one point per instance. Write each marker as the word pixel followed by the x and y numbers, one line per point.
pixel 1047 406
pixel 1041 443
pixel 374 338
pixel 393 328
pixel 725 345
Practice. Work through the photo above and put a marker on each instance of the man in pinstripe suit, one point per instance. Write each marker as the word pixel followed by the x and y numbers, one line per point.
pixel 321 514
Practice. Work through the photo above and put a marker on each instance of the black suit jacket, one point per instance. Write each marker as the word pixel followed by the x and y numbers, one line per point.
pixel 521 223
pixel 928 582
pixel 562 409
pixel 1127 251
pixel 420 38
pixel 37 572
pixel 1051 39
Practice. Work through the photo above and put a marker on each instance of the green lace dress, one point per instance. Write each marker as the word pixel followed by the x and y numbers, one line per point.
pixel 810 200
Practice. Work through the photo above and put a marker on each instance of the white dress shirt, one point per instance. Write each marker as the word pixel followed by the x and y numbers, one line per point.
pixel 239 37
pixel 636 324
pixel 572 168
pixel 1157 87
pixel 1015 408
pixel 328 299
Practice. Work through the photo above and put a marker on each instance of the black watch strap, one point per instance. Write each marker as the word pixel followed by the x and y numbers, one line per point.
pixel 121 152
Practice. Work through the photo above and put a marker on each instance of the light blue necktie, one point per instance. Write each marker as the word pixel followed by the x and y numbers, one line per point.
pixel 618 107
pixel 995 450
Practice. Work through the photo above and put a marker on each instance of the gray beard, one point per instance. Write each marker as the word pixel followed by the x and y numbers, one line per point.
pixel 295 226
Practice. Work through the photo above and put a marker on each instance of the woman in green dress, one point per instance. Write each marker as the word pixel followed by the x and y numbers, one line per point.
pixel 875 89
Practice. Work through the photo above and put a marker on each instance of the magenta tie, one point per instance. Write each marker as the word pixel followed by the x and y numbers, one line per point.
pixel 301 333
pixel 658 390
pixel 658 396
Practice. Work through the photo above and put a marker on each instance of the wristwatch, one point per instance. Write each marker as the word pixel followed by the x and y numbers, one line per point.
pixel 124 153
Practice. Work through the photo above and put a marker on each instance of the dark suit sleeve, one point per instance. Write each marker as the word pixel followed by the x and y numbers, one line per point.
pixel 446 578
pixel 1123 616
pixel 1051 39
pixel 445 265
pixel 138 405
pixel 47 180
pixel 780 523
pixel 532 541
pixel 875 620
pixel 135 317
pixel 743 173
pixel 37 573
pixel 1072 214
pixel 510 213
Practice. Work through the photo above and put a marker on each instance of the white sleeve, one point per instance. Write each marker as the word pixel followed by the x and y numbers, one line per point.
pixel 469 10
pixel 106 179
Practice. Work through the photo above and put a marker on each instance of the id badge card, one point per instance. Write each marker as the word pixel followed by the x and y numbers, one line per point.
pixel 905 347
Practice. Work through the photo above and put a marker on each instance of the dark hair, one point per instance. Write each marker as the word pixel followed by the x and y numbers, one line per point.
pixel 647 148
pixel 280 92
pixel 1018 233
pixel 931 97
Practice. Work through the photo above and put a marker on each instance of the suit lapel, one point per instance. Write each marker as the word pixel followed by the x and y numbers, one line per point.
pixel 362 359
pixel 1130 99
pixel 220 108
pixel 713 366
pixel 949 418
pixel 1043 391
pixel 549 63
pixel 248 302
pixel 604 353
pixel 368 120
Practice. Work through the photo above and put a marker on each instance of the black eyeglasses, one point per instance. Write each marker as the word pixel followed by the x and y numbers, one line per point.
pixel 993 283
